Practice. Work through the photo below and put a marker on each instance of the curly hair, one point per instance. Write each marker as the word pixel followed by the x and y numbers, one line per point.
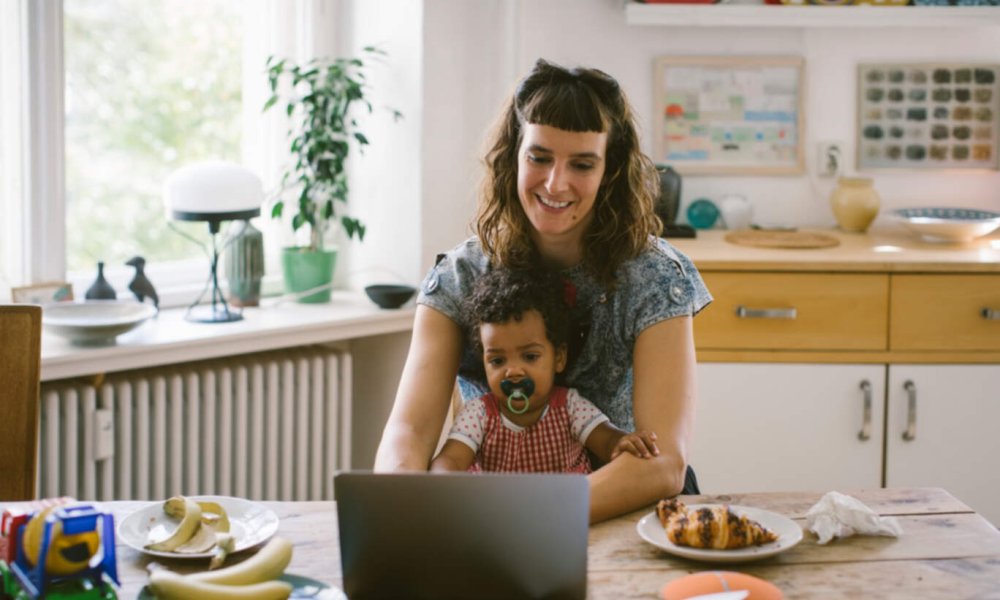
pixel 501 295
pixel 580 100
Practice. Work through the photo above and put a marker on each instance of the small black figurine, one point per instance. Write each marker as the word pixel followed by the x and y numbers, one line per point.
pixel 140 285
pixel 100 289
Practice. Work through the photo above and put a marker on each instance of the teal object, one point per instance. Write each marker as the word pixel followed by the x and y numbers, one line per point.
pixel 702 214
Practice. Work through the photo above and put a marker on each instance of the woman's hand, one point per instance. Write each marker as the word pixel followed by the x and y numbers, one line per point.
pixel 641 444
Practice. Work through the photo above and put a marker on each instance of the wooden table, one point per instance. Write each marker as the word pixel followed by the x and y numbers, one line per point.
pixel 946 550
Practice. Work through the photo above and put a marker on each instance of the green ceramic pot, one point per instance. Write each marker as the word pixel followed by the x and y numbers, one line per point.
pixel 306 269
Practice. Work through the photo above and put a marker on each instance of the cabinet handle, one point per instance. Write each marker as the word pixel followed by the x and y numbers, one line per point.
pixel 765 313
pixel 911 411
pixel 991 314
pixel 866 423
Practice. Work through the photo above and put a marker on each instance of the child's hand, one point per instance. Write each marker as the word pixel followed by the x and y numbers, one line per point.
pixel 641 444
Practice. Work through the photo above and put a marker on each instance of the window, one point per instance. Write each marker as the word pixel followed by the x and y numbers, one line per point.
pixel 150 85
pixel 101 99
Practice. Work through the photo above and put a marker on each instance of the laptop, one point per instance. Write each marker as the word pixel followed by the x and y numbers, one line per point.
pixel 463 535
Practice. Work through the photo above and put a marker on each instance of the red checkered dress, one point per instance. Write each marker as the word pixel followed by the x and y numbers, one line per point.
pixel 553 444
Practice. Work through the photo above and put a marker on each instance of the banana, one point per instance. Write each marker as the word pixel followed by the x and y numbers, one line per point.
pixel 269 563
pixel 187 528
pixel 167 585
pixel 212 513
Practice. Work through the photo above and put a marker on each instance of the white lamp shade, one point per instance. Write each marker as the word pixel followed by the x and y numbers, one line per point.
pixel 213 191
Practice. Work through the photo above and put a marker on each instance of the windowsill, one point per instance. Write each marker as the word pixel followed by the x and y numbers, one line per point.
pixel 168 338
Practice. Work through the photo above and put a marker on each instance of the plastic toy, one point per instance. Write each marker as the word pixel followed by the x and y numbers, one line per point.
pixel 58 551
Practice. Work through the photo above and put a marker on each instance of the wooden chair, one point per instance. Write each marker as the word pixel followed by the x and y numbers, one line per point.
pixel 20 361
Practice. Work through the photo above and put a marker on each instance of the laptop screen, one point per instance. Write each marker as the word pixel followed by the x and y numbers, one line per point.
pixel 462 535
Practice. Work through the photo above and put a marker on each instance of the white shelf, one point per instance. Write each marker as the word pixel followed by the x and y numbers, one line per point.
pixel 169 338
pixel 758 15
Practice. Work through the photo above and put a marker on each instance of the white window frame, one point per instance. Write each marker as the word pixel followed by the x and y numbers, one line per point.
pixel 32 116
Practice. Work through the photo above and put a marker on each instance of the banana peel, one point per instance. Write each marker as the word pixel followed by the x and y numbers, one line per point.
pixel 189 525
pixel 212 513
pixel 203 540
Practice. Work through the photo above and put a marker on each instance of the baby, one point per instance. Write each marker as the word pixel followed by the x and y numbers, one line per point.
pixel 526 422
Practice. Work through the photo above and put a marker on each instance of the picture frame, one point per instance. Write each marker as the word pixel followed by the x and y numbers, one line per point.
pixel 42 293
pixel 928 116
pixel 730 115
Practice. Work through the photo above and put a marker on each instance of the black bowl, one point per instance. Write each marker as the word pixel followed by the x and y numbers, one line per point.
pixel 390 296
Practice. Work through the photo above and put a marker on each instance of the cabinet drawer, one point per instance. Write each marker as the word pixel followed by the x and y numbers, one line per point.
pixel 945 312
pixel 794 311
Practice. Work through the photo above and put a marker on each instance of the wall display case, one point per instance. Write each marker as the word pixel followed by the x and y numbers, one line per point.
pixel 928 116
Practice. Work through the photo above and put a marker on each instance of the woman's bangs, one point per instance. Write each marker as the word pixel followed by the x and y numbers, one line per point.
pixel 566 107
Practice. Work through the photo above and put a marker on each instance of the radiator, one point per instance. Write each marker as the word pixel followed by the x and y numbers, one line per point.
pixel 266 426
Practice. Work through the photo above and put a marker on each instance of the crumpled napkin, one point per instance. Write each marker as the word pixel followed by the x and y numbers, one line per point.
pixel 840 515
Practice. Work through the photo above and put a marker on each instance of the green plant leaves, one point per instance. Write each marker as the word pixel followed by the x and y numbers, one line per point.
pixel 319 103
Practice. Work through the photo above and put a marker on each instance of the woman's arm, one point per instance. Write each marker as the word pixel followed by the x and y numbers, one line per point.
pixel 414 426
pixel 663 396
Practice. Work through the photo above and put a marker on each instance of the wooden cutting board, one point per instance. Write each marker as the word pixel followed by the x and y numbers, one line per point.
pixel 781 239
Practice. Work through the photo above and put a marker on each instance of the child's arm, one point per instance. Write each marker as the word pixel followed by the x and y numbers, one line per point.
pixel 455 456
pixel 607 442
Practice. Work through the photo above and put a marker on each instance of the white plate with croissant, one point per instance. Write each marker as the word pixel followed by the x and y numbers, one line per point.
pixel 718 532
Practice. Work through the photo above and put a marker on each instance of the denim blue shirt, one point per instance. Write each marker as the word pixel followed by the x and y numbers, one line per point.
pixel 661 283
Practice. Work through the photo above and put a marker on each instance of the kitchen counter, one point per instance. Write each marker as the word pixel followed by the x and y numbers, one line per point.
pixel 887 249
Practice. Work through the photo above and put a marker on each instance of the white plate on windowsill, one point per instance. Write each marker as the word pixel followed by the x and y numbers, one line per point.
pixel 788 531
pixel 250 524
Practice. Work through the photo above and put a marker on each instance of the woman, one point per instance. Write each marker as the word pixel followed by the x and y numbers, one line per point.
pixel 567 187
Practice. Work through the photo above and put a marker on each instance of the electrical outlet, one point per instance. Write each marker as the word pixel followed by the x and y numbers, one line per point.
pixel 830 159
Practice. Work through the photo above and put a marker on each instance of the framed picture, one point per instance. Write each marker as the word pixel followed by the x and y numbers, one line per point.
pixel 730 115
pixel 928 116
pixel 42 293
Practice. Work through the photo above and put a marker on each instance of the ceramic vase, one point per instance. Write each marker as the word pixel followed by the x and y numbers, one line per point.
pixel 100 289
pixel 244 264
pixel 855 203
pixel 305 269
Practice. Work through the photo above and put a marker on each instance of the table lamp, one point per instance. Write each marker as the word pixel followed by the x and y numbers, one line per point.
pixel 213 192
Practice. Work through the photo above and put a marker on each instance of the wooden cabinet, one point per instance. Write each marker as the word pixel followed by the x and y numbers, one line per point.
pixel 791 346
pixel 945 312
pixel 790 311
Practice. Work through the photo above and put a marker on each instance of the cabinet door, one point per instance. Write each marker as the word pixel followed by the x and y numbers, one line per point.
pixel 953 441
pixel 770 427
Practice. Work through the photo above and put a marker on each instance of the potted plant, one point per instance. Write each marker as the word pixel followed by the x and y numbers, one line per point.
pixel 321 95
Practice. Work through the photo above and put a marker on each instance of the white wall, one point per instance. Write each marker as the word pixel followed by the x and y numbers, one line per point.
pixel 474 51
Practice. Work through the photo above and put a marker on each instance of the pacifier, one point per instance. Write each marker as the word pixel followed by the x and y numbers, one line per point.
pixel 518 390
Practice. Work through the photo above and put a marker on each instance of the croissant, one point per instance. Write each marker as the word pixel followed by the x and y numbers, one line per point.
pixel 716 528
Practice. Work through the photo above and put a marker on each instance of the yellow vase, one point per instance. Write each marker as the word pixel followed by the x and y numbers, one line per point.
pixel 855 203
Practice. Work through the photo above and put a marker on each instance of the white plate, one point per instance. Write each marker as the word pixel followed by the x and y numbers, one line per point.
pixel 948 224
pixel 250 524
pixel 788 531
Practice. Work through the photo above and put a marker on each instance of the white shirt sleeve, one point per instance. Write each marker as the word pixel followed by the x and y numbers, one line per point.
pixel 584 416
pixel 470 424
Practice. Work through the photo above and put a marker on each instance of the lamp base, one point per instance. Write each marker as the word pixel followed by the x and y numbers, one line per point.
pixel 212 314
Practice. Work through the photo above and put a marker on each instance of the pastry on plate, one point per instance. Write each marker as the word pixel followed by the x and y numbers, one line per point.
pixel 710 527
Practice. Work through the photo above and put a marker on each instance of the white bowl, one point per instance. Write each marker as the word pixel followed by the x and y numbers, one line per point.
pixel 943 224
pixel 94 322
